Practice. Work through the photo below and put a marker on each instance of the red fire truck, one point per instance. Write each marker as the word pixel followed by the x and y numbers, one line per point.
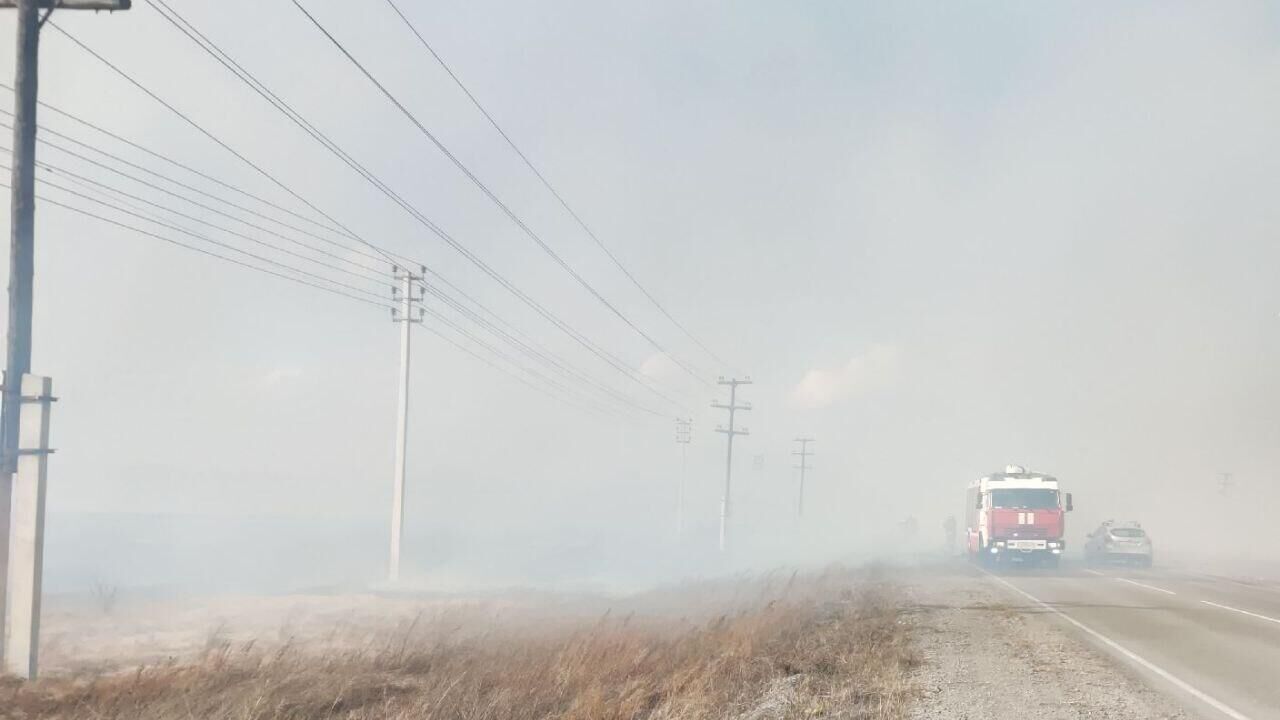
pixel 1016 516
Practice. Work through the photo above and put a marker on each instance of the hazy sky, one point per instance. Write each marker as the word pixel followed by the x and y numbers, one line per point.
pixel 940 236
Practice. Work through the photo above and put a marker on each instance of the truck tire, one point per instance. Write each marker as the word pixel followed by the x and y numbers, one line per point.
pixel 1052 561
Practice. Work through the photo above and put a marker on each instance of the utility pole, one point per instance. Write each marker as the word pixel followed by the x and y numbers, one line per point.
pixel 22 222
pixel 730 431
pixel 1226 483
pixel 683 432
pixel 409 312
pixel 802 467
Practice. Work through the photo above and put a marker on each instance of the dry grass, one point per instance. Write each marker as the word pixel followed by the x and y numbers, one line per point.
pixel 828 645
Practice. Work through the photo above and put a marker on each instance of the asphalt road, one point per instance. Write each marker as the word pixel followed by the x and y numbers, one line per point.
pixel 1211 643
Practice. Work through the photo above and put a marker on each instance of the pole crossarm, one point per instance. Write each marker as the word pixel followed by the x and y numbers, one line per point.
pixel 684 431
pixel 684 428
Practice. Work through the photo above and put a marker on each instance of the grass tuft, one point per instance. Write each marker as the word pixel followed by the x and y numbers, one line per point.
pixel 828 645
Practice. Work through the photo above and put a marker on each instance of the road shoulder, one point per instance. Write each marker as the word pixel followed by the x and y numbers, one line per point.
pixel 984 654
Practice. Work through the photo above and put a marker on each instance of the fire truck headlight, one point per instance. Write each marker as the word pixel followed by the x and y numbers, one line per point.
pixel 1054 544
pixel 995 550
pixel 1056 551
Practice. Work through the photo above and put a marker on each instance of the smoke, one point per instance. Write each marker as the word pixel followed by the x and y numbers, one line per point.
pixel 940 239
pixel 819 388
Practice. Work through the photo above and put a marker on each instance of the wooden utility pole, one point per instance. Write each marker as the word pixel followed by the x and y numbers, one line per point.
pixel 22 245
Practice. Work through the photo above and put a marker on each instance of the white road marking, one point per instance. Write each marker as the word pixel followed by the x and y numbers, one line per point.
pixel 1259 586
pixel 1182 685
pixel 1149 587
pixel 1095 572
pixel 1242 612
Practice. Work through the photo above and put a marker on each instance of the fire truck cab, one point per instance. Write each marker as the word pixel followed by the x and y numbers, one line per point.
pixel 1016 516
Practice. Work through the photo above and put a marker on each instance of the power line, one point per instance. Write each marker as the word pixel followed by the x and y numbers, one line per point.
pixel 495 365
pixel 505 356
pixel 496 200
pixel 577 336
pixel 273 273
pixel 63 171
pixel 532 351
pixel 431 289
pixel 185 216
pixel 568 394
pixel 547 184
pixel 80 179
pixel 198 236
pixel 517 338
pixel 96 185
pixel 204 238
pixel 176 163
pixel 202 251
pixel 168 159
pixel 210 135
pixel 317 286
pixel 84 181
pixel 229 63
pixel 245 76
pixel 185 186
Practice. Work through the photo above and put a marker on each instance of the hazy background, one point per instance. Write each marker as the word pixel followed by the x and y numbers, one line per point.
pixel 940 237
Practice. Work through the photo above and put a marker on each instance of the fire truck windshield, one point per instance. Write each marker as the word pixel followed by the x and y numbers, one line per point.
pixel 1025 498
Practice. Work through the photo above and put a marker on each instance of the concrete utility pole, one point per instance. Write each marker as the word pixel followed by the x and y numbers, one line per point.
pixel 802 467
pixel 683 432
pixel 26 566
pixel 730 431
pixel 22 222
pixel 408 313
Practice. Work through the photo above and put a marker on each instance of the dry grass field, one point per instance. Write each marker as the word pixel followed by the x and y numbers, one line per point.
pixel 831 644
